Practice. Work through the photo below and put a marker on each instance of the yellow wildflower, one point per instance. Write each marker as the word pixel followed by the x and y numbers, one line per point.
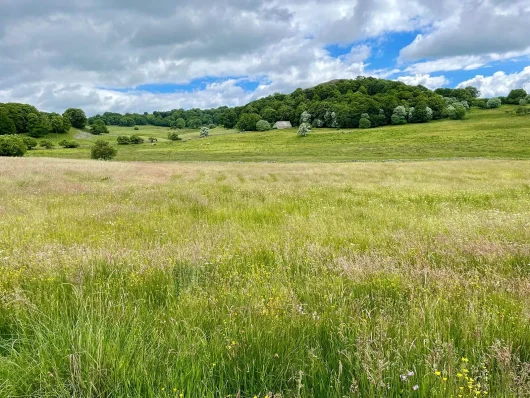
pixel 437 373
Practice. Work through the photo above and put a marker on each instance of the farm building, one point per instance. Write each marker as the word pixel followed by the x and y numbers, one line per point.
pixel 283 125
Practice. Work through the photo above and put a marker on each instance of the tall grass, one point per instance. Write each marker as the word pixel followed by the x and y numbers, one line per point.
pixel 212 280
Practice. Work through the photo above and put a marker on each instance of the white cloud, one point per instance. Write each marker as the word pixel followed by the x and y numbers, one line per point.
pixel 500 83
pixel 428 81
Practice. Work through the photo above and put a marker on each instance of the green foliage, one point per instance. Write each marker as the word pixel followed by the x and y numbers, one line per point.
pixel 399 116
pixel 136 140
pixel 365 123
pixel 77 117
pixel 494 103
pixel 421 113
pixel 69 144
pixel 205 132
pixel 99 127
pixel 263 125
pixel 127 121
pixel 304 129
pixel 515 96
pixel 152 140
pixel 57 124
pixel 269 114
pixel 194 123
pixel 522 110
pixel 38 125
pixel 172 136
pixel 47 144
pixel 30 142
pixel 103 151
pixel 305 118
pixel 123 140
pixel 212 126
pixel 228 119
pixel 136 128
pixel 18 113
pixel 7 126
pixel 455 111
pixel 248 122
pixel 179 123
pixel 12 145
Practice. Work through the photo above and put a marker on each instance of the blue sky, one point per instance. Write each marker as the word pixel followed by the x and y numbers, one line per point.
pixel 110 55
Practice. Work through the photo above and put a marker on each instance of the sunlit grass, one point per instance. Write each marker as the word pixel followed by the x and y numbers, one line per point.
pixel 311 280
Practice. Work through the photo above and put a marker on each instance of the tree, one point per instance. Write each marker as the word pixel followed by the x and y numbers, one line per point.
pixel 77 117
pixel 421 113
pixel 455 111
pixel 365 123
pixel 180 124
pixel 7 126
pixel 248 121
pixel 102 150
pixel 304 129
pixel 30 142
pixel 99 128
pixel 305 118
pixel 57 124
pixel 400 115
pixel 12 145
pixel 263 125
pixel 69 144
pixel 205 132
pixel 269 114
pixel 228 119
pixel 194 123
pixel 38 125
pixel 494 103
pixel 515 96
pixel 136 140
pixel 473 91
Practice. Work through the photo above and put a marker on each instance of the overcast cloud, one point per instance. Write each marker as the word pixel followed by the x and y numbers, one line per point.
pixel 94 54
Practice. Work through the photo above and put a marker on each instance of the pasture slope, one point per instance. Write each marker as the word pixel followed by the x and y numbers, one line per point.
pixel 310 279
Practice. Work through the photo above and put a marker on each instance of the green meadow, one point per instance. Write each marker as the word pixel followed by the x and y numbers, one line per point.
pixel 268 265
pixel 493 134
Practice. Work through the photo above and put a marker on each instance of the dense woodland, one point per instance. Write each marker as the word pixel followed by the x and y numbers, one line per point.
pixel 364 102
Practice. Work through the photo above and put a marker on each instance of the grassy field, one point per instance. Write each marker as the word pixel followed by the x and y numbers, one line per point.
pixel 404 279
pixel 489 134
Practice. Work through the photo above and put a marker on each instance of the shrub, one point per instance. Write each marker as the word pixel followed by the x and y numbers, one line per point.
pixel 455 111
pixel 172 136
pixel 263 125
pixel 136 128
pixel 69 144
pixel 521 110
pixel 304 129
pixel 465 105
pixel 12 145
pixel 205 132
pixel 136 140
pixel 152 140
pixel 212 126
pixel 30 142
pixel 46 144
pixel 400 115
pixel 365 123
pixel 494 103
pixel 99 127
pixel 102 150
pixel 123 140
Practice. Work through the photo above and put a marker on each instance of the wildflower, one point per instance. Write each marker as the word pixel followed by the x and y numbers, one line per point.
pixel 416 387
pixel 174 390
pixel 403 377
pixel 181 395
pixel 445 379
pixel 464 359
pixel 437 373
pixel 411 373
pixel 459 375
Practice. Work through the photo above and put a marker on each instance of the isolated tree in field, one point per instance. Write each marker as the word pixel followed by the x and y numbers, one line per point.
pixel 77 117
pixel 11 145
pixel 103 151
pixel 248 121
pixel 173 136
pixel 494 103
pixel 99 127
pixel 399 116
pixel 7 126
pixel 263 125
pixel 304 129
pixel 205 132
pixel 30 142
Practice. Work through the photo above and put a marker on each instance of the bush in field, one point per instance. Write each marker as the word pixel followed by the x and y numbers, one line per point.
pixel 205 132
pixel 455 111
pixel 304 129
pixel 400 115
pixel 465 104
pixel 365 123
pixel 263 125
pixel 99 127
pixel 30 142
pixel 69 144
pixel 172 136
pixel 521 110
pixel 136 128
pixel 136 140
pixel 212 126
pixel 152 140
pixel 46 144
pixel 123 140
pixel 102 150
pixel 494 103
pixel 12 145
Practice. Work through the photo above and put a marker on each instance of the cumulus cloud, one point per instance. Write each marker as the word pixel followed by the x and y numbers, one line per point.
pixel 500 83
pixel 428 81
pixel 61 53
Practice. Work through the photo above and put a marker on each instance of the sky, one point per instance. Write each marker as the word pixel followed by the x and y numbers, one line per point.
pixel 135 56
